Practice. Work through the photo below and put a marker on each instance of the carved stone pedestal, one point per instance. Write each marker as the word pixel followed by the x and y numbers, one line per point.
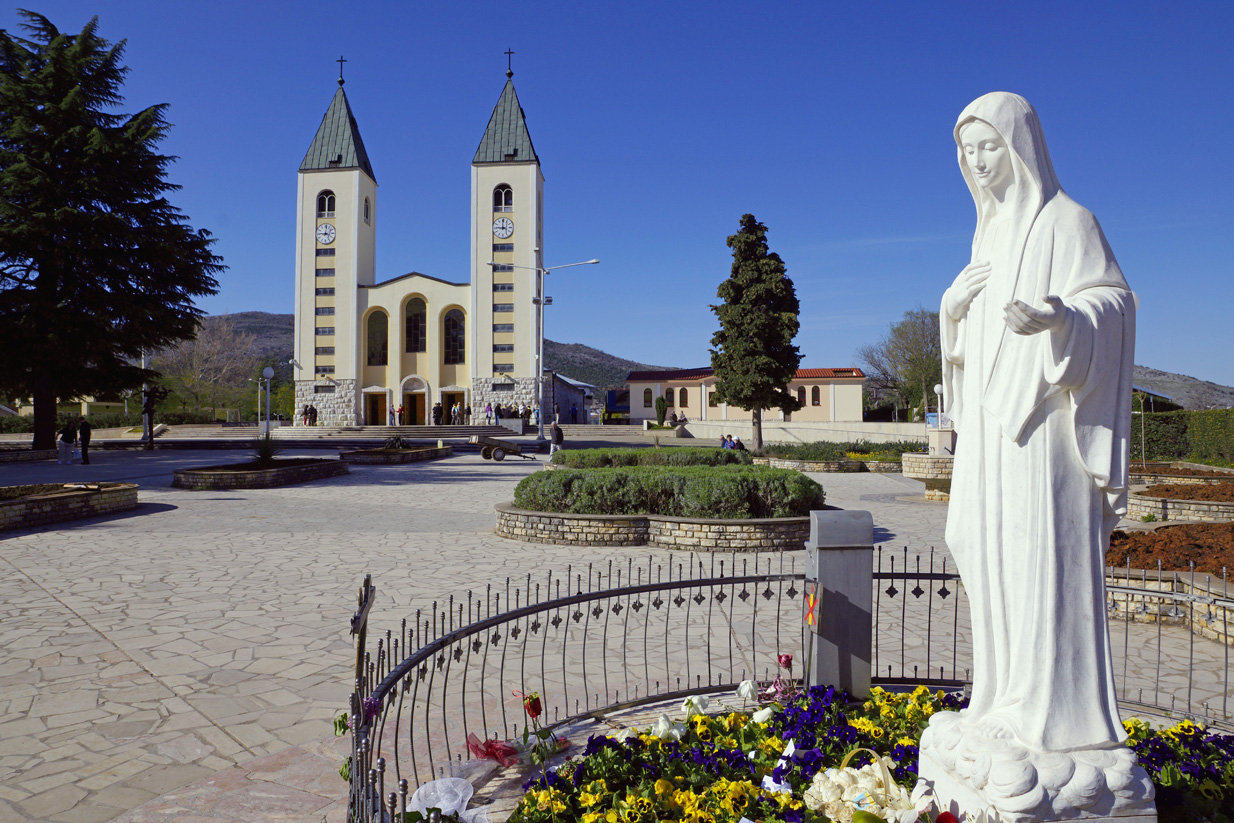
pixel 970 772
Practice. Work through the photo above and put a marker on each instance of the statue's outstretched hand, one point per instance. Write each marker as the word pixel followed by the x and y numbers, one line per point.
pixel 968 284
pixel 1025 319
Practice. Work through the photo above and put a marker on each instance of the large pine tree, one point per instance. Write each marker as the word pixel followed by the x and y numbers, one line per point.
pixel 95 265
pixel 754 357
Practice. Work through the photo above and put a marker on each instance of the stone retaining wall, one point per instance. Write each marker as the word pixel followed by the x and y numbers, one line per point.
pixel 834 466
pixel 26 455
pixel 1140 506
pixel 206 479
pixel 383 457
pixel 652 530
pixel 70 504
pixel 1175 480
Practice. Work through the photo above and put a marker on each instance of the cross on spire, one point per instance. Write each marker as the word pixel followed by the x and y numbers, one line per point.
pixel 340 62
pixel 509 67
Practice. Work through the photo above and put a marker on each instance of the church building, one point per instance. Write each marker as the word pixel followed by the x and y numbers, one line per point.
pixel 364 347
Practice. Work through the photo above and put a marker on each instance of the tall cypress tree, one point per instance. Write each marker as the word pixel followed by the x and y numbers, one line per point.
pixel 754 357
pixel 95 265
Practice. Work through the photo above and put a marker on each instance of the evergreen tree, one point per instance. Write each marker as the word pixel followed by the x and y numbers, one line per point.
pixel 754 357
pixel 95 265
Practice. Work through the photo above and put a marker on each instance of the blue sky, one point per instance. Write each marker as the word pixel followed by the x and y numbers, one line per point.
pixel 659 124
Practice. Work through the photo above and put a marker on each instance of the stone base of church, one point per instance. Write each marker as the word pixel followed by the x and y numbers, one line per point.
pixel 970 773
pixel 334 408
pixel 504 390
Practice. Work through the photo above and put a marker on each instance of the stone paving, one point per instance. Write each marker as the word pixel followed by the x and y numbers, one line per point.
pixel 183 662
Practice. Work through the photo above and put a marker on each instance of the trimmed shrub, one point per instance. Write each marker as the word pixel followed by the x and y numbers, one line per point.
pixel 851 450
pixel 727 492
pixel 613 458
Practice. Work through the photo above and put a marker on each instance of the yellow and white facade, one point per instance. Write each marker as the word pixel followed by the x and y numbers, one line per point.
pixel 364 348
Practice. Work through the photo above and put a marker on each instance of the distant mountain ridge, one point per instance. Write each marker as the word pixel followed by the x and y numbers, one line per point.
pixel 275 335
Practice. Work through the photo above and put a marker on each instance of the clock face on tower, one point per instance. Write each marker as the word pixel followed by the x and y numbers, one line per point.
pixel 325 234
pixel 503 227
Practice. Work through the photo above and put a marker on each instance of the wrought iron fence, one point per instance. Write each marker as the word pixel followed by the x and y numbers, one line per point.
pixel 625 634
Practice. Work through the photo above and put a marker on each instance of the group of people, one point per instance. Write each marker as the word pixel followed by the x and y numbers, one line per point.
pixel 308 415
pixel 727 441
pixel 456 415
pixel 674 420
pixel 496 411
pixel 72 436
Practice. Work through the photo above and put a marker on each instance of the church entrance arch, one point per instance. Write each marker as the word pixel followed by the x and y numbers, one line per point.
pixel 376 406
pixel 450 396
pixel 414 392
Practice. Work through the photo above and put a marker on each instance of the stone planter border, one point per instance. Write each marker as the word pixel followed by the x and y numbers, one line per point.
pixel 933 470
pixel 26 455
pixel 653 530
pixel 391 457
pixel 1140 505
pixel 832 466
pixel 70 504
pixel 210 478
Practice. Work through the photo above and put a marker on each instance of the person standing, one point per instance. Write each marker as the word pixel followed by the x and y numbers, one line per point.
pixel 556 438
pixel 68 436
pixel 488 414
pixel 573 413
pixel 84 430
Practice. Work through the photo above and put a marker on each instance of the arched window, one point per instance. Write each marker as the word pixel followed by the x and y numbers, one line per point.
pixel 417 325
pixel 325 204
pixel 368 210
pixel 378 335
pixel 682 399
pixel 801 395
pixel 814 397
pixel 455 329
pixel 503 198
pixel 647 400
pixel 668 395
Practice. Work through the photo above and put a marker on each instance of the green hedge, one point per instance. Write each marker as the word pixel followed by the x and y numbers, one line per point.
pixel 612 458
pixel 736 492
pixel 105 420
pixel 827 450
pixel 1201 436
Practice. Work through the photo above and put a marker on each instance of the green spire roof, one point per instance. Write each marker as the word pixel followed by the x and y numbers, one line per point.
pixel 506 138
pixel 338 144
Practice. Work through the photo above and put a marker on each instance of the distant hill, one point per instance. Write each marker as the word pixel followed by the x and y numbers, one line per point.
pixel 1185 391
pixel 275 335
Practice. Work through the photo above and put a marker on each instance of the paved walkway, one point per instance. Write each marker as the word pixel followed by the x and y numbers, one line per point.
pixel 183 662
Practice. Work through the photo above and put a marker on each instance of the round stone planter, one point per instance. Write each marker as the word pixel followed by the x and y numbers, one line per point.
pixel 1140 506
pixel 653 530
pixel 223 477
pixel 42 505
pixel 934 471
pixel 833 466
pixel 391 457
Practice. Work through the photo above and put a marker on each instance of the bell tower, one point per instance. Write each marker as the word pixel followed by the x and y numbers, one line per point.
pixel 507 211
pixel 335 253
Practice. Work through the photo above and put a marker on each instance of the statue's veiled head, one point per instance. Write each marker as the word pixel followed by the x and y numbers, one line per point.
pixel 1002 149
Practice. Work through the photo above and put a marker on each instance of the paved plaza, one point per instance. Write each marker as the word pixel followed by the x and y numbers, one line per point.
pixel 184 661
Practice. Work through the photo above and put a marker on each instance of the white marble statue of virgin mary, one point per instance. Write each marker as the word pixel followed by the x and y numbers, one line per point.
pixel 1038 337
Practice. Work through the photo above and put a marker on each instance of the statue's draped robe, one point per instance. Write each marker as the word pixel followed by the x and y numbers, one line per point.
pixel 1040 473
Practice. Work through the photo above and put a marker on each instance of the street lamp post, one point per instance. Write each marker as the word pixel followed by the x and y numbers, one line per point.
pixel 541 301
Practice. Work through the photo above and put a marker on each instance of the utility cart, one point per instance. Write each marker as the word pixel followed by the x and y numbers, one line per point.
pixel 492 448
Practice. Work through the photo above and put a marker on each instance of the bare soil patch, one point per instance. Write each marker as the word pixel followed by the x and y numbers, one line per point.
pixel 1215 493
pixel 1209 545
pixel 1173 471
pixel 260 465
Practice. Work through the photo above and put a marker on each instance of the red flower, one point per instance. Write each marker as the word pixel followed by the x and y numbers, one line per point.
pixel 785 661
pixel 946 817
pixel 531 702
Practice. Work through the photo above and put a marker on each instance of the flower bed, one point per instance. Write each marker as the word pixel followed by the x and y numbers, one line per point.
pixel 22 507
pixel 387 457
pixel 827 451
pixel 615 458
pixel 694 534
pixel 716 492
pixel 847 465
pixel 812 758
pixel 1210 504
pixel 258 474
pixel 1209 545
